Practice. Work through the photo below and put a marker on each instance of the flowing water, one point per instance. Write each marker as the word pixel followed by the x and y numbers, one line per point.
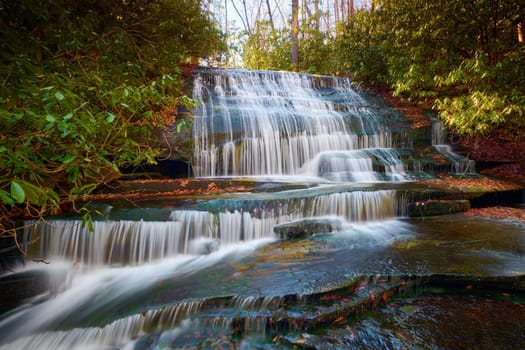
pixel 209 271
pixel 268 123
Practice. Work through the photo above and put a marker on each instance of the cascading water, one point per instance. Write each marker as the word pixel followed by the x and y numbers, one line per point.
pixel 248 123
pixel 213 262
pixel 268 123
pixel 126 242
pixel 459 164
pixel 364 165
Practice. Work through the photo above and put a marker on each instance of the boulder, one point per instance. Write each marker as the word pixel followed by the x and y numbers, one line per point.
pixel 306 227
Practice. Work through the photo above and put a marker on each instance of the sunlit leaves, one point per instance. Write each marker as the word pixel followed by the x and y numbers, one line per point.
pixel 83 92
pixel 17 192
pixel 111 117
pixel 489 98
pixel 462 55
pixel 475 113
pixel 59 96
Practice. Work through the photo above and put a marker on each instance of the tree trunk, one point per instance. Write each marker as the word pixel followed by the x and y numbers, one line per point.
pixel 243 20
pixel 247 17
pixel 350 9
pixel 270 17
pixel 317 15
pixel 226 30
pixel 336 12
pixel 295 35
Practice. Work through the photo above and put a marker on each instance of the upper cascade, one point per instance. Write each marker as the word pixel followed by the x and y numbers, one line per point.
pixel 276 123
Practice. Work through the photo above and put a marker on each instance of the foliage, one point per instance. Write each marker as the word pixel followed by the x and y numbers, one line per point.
pixel 463 56
pixel 267 49
pixel 314 55
pixel 83 85
pixel 359 50
pixel 270 49
pixel 490 97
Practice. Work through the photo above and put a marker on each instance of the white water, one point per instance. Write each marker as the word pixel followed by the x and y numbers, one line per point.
pixel 118 242
pixel 95 292
pixel 251 123
pixel 358 166
pixel 53 322
pixel 459 164
pixel 257 123
pixel 194 232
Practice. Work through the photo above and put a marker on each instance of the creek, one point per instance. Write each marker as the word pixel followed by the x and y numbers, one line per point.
pixel 209 271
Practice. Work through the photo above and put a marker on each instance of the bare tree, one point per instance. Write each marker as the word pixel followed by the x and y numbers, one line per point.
pixel 336 11
pixel 295 34
pixel 278 7
pixel 350 9
pixel 246 16
pixel 244 20
pixel 270 15
pixel 317 15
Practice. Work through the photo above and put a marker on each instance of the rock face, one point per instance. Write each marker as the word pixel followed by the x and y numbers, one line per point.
pixel 437 207
pixel 306 227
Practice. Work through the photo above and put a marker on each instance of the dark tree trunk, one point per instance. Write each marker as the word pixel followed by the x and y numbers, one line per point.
pixel 295 34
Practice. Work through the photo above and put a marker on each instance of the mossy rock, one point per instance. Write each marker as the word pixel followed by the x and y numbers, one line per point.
pixel 437 207
pixel 307 227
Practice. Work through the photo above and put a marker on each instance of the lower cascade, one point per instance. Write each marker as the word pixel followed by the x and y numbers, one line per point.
pixel 322 233
pixel 195 232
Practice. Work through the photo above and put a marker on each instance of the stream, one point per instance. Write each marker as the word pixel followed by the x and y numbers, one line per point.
pixel 211 271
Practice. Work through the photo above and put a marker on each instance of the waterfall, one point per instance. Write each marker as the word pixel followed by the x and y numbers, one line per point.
pixel 121 242
pixel 196 232
pixel 374 164
pixel 459 164
pixel 115 334
pixel 183 267
pixel 272 123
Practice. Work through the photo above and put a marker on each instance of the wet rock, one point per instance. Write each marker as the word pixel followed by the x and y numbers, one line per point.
pixel 501 283
pixel 204 246
pixel 18 287
pixel 437 207
pixel 307 227
pixel 305 341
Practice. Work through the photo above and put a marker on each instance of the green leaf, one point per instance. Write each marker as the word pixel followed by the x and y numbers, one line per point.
pixel 4 197
pixel 110 118
pixel 180 125
pixel 87 220
pixel 68 116
pixel 69 158
pixel 2 149
pixel 17 192
pixel 35 194
pixel 59 96
pixel 50 118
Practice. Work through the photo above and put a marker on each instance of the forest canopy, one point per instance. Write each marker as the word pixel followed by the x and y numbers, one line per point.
pixel 83 87
pixel 467 58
